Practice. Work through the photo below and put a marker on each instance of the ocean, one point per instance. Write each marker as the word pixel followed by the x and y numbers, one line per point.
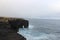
pixel 42 29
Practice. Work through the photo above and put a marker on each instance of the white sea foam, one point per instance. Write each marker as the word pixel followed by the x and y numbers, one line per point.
pixel 31 26
pixel 41 36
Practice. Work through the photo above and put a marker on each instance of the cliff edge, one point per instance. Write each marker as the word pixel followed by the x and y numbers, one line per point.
pixel 7 33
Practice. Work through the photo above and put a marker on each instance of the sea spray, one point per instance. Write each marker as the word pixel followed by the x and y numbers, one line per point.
pixel 31 34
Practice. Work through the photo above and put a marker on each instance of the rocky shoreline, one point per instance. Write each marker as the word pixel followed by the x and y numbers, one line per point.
pixel 9 28
pixel 6 33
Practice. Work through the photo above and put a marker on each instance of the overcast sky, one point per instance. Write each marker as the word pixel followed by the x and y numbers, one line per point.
pixel 30 8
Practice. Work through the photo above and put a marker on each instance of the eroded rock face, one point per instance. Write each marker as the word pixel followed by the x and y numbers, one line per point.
pixel 15 22
pixel 19 23
pixel 6 33
pixel 9 28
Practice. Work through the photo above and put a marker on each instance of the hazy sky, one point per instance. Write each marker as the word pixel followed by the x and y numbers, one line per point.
pixel 30 8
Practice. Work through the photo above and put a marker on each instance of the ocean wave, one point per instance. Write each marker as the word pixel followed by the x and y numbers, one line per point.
pixel 34 35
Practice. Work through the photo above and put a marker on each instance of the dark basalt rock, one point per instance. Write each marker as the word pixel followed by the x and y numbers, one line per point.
pixel 6 33
pixel 9 32
pixel 15 22
pixel 19 23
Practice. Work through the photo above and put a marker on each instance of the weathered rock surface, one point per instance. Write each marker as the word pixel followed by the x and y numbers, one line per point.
pixel 15 22
pixel 9 28
pixel 6 33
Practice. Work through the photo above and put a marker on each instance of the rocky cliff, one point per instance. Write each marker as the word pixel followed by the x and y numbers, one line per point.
pixel 6 33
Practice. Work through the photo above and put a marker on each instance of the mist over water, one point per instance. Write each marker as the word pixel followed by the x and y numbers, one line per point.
pixel 42 30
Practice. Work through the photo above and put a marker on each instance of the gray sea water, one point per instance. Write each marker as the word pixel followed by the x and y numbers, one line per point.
pixel 42 29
